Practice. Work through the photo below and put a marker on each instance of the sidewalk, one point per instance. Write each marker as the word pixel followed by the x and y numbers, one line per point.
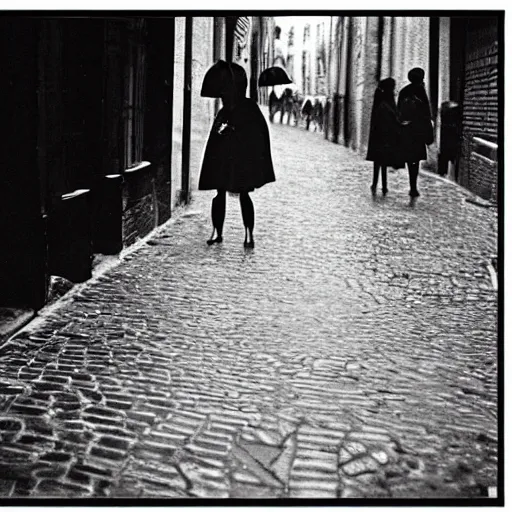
pixel 352 353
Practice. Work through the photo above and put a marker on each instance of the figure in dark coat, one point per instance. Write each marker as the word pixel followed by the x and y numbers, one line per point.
pixel 385 128
pixel 307 112
pixel 237 157
pixel 318 115
pixel 414 110
pixel 273 105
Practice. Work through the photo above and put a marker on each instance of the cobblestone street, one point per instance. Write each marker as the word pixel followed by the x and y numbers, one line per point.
pixel 351 354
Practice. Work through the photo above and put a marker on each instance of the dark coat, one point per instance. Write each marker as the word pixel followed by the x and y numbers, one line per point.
pixel 417 113
pixel 237 156
pixel 307 108
pixel 384 141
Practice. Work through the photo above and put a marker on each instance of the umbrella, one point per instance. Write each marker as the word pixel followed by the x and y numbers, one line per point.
pixel 273 76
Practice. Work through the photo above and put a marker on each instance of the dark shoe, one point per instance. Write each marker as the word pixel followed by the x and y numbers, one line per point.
pixel 373 189
pixel 414 193
pixel 249 244
pixel 384 191
pixel 212 241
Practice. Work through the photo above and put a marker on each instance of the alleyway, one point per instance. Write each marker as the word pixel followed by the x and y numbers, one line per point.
pixel 352 353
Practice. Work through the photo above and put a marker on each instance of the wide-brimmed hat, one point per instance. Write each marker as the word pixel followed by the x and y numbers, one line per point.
pixel 222 77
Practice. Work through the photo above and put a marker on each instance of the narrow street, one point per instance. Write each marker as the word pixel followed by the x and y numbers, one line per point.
pixel 351 354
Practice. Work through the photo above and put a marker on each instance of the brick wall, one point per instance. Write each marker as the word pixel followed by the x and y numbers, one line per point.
pixel 477 172
pixel 139 204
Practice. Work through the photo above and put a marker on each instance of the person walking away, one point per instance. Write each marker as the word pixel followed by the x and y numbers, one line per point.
pixel 307 111
pixel 286 105
pixel 273 105
pixel 414 110
pixel 384 140
pixel 237 157
pixel 318 115
pixel 297 103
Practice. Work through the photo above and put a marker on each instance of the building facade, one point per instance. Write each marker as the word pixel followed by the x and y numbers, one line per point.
pixel 106 130
pixel 478 163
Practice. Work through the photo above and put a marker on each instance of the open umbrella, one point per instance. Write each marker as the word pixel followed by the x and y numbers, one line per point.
pixel 273 76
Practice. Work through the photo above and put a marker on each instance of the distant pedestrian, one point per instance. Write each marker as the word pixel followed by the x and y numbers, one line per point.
pixel 414 109
pixel 385 128
pixel 296 105
pixel 318 115
pixel 237 157
pixel 286 105
pixel 307 112
pixel 273 105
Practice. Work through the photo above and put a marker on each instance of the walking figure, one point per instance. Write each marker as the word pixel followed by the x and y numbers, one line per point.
pixel 385 128
pixel 237 157
pixel 414 110
pixel 318 116
pixel 273 105
pixel 307 112
pixel 286 105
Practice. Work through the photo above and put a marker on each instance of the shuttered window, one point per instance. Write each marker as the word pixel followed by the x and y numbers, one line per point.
pixel 134 94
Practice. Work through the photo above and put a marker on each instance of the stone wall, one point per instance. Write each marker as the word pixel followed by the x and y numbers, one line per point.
pixel 202 108
pixel 177 112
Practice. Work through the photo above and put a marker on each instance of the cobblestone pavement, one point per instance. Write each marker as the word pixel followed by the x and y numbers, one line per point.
pixel 352 353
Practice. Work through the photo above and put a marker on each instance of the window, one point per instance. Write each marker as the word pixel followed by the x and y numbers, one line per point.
pixel 134 95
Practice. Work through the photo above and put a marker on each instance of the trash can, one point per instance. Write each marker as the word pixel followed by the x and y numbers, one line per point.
pixel 450 135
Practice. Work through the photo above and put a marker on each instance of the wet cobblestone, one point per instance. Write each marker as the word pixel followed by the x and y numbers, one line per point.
pixel 352 353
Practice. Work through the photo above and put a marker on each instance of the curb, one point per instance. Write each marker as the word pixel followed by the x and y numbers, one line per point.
pixel 9 327
pixel 32 321
pixel 472 197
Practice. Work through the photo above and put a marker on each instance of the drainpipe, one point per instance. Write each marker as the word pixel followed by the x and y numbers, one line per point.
pixel 217 52
pixel 187 114
pixel 348 87
pixel 336 102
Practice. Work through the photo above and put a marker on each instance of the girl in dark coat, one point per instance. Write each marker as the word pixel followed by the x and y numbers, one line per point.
pixel 383 144
pixel 414 110
pixel 237 157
